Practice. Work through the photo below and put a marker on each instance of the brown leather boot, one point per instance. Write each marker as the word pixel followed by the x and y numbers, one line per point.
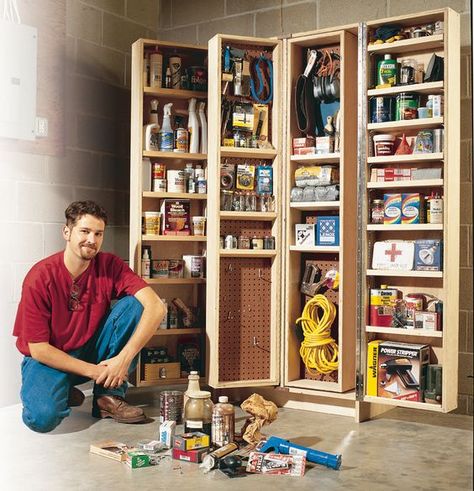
pixel 76 397
pixel 111 406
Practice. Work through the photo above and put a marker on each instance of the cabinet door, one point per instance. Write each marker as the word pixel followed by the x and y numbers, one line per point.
pixel 243 285
pixel 333 202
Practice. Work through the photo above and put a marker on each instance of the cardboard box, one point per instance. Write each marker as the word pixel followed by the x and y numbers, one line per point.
pixel 316 175
pixel 427 320
pixel 279 464
pixel 191 441
pixel 176 218
pixel 372 367
pixel 305 235
pixel 402 370
pixel 167 432
pixel 393 255
pixel 412 208
pixel 428 255
pixel 136 459
pixel 324 144
pixel 305 151
pixel 327 231
pixel 110 449
pixel 392 209
pixel 308 141
pixel 194 456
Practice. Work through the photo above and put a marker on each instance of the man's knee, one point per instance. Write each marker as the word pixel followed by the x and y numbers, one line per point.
pixel 43 419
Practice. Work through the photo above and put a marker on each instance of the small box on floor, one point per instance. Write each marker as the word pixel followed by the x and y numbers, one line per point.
pixel 167 431
pixel 191 441
pixel 428 255
pixel 305 235
pixel 327 231
pixel 194 456
pixel 137 459
pixel 272 463
pixel 402 370
pixel 110 449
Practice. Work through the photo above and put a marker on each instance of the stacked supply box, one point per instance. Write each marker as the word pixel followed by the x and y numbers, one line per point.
pixel 402 370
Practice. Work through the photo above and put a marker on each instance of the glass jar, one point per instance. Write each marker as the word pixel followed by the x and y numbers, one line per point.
pixel 251 201
pixel 226 200
pixel 198 412
pixel 238 201
pixel 265 202
pixel 257 243
pixel 377 211
pixel 243 242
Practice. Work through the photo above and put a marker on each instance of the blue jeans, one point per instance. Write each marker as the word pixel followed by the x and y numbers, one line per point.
pixel 45 390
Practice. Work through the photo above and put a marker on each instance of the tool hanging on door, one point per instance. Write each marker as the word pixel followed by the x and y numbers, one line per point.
pixel 261 79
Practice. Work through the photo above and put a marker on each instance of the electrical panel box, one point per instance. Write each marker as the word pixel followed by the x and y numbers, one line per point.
pixel 18 49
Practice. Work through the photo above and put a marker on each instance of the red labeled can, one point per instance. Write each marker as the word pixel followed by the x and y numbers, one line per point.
pixel 159 171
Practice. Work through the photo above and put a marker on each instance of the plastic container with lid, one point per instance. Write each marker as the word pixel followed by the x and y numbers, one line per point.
pixel 384 144
pixel 223 422
pixel 193 386
pixel 198 412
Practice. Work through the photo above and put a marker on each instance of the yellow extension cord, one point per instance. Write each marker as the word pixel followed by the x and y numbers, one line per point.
pixel 318 350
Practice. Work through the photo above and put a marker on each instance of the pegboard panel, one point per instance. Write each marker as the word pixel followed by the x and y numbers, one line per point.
pixel 246 228
pixel 244 319
pixel 324 265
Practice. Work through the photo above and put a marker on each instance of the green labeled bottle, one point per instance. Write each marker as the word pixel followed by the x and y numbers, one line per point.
pixel 386 73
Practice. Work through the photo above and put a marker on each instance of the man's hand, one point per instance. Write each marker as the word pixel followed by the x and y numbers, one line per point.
pixel 114 373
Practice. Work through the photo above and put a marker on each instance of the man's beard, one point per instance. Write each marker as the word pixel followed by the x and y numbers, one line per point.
pixel 89 253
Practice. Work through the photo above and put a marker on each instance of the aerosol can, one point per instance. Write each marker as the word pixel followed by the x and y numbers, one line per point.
pixel 166 133
pixel 193 127
pixel 181 141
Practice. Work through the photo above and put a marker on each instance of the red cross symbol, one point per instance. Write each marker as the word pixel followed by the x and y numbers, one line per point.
pixel 392 252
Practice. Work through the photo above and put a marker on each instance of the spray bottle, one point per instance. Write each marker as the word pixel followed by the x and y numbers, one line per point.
pixel 166 133
pixel 202 118
pixel 193 127
pixel 151 131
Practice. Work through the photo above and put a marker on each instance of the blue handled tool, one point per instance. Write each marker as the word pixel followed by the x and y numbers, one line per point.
pixel 286 447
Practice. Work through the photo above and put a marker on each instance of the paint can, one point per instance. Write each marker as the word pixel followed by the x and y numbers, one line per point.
pixel 381 109
pixel 192 266
pixel 171 406
pixel 176 181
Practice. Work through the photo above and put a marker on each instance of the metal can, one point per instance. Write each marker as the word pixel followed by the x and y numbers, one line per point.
pixel 159 185
pixel 158 171
pixel 201 185
pixel 171 406
pixel 269 242
pixel 407 106
pixel 381 109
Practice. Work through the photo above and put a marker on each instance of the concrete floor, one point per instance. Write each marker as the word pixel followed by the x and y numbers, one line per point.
pixel 401 450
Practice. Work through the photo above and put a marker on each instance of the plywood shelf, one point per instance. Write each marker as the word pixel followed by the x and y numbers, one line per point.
pixel 174 155
pixel 179 332
pixel 163 381
pixel 248 153
pixel 406 124
pixel 404 227
pixel 159 195
pixel 400 403
pixel 295 248
pixel 408 159
pixel 174 93
pixel 420 183
pixel 174 238
pixel 176 281
pixel 423 88
pixel 426 43
pixel 248 215
pixel 315 205
pixel 409 274
pixel 316 158
pixel 247 253
pixel 405 332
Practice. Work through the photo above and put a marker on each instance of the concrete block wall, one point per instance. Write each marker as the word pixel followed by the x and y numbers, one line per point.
pixel 181 21
pixel 36 188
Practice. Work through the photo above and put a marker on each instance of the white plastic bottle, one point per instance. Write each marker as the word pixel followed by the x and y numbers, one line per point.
pixel 151 131
pixel 193 386
pixel 146 264
pixel 202 119
pixel 193 127
pixel 166 133
pixel 156 70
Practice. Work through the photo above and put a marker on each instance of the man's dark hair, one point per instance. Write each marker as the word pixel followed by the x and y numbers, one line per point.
pixel 78 209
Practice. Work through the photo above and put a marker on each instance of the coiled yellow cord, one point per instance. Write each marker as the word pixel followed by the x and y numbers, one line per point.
pixel 319 351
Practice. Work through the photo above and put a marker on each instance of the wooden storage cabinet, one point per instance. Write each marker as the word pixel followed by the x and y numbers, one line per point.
pixel 443 284
pixel 243 319
pixel 341 257
pixel 191 290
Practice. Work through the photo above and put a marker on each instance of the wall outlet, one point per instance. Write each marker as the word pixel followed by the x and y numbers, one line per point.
pixel 41 127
